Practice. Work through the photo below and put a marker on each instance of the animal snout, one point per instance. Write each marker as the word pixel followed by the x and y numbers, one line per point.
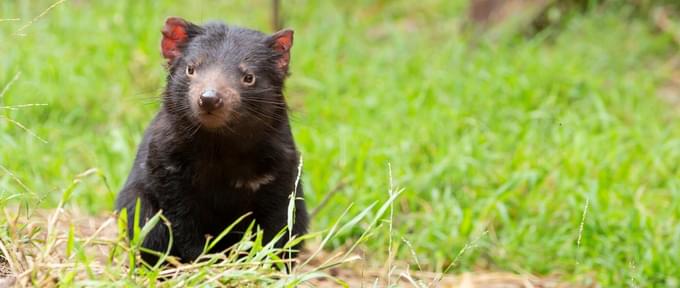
pixel 210 100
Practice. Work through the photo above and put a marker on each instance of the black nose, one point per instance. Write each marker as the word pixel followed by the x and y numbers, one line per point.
pixel 209 100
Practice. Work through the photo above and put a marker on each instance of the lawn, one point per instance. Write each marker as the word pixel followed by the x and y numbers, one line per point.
pixel 548 154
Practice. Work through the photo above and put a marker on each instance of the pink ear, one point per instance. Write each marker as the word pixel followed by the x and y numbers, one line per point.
pixel 174 35
pixel 282 41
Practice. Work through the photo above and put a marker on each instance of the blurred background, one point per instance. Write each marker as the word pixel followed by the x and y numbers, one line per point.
pixel 531 136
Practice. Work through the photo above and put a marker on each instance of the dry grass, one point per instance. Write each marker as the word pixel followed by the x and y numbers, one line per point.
pixel 53 247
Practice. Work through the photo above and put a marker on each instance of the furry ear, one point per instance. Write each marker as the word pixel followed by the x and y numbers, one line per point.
pixel 281 42
pixel 176 33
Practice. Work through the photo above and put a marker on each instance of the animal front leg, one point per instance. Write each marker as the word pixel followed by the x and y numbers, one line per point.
pixel 187 239
pixel 272 216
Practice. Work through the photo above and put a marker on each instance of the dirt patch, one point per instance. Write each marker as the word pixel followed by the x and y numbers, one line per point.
pixel 357 278
pixel 6 276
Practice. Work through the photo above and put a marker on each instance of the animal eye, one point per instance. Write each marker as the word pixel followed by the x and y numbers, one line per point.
pixel 191 70
pixel 248 79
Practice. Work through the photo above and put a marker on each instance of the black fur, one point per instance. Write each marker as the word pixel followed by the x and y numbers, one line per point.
pixel 191 173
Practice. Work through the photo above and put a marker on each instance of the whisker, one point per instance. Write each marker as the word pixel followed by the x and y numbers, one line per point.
pixel 277 103
pixel 261 116
pixel 260 91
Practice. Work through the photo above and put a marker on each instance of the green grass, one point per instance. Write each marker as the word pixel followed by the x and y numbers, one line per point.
pixel 497 141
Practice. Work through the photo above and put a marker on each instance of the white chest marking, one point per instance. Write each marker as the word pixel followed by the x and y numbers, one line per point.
pixel 255 183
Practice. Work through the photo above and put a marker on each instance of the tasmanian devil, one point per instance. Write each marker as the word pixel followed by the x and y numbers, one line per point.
pixel 221 145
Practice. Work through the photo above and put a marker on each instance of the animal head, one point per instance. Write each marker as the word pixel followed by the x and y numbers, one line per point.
pixel 225 77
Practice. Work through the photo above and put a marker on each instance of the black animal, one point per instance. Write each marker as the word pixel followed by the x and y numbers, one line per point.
pixel 221 145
